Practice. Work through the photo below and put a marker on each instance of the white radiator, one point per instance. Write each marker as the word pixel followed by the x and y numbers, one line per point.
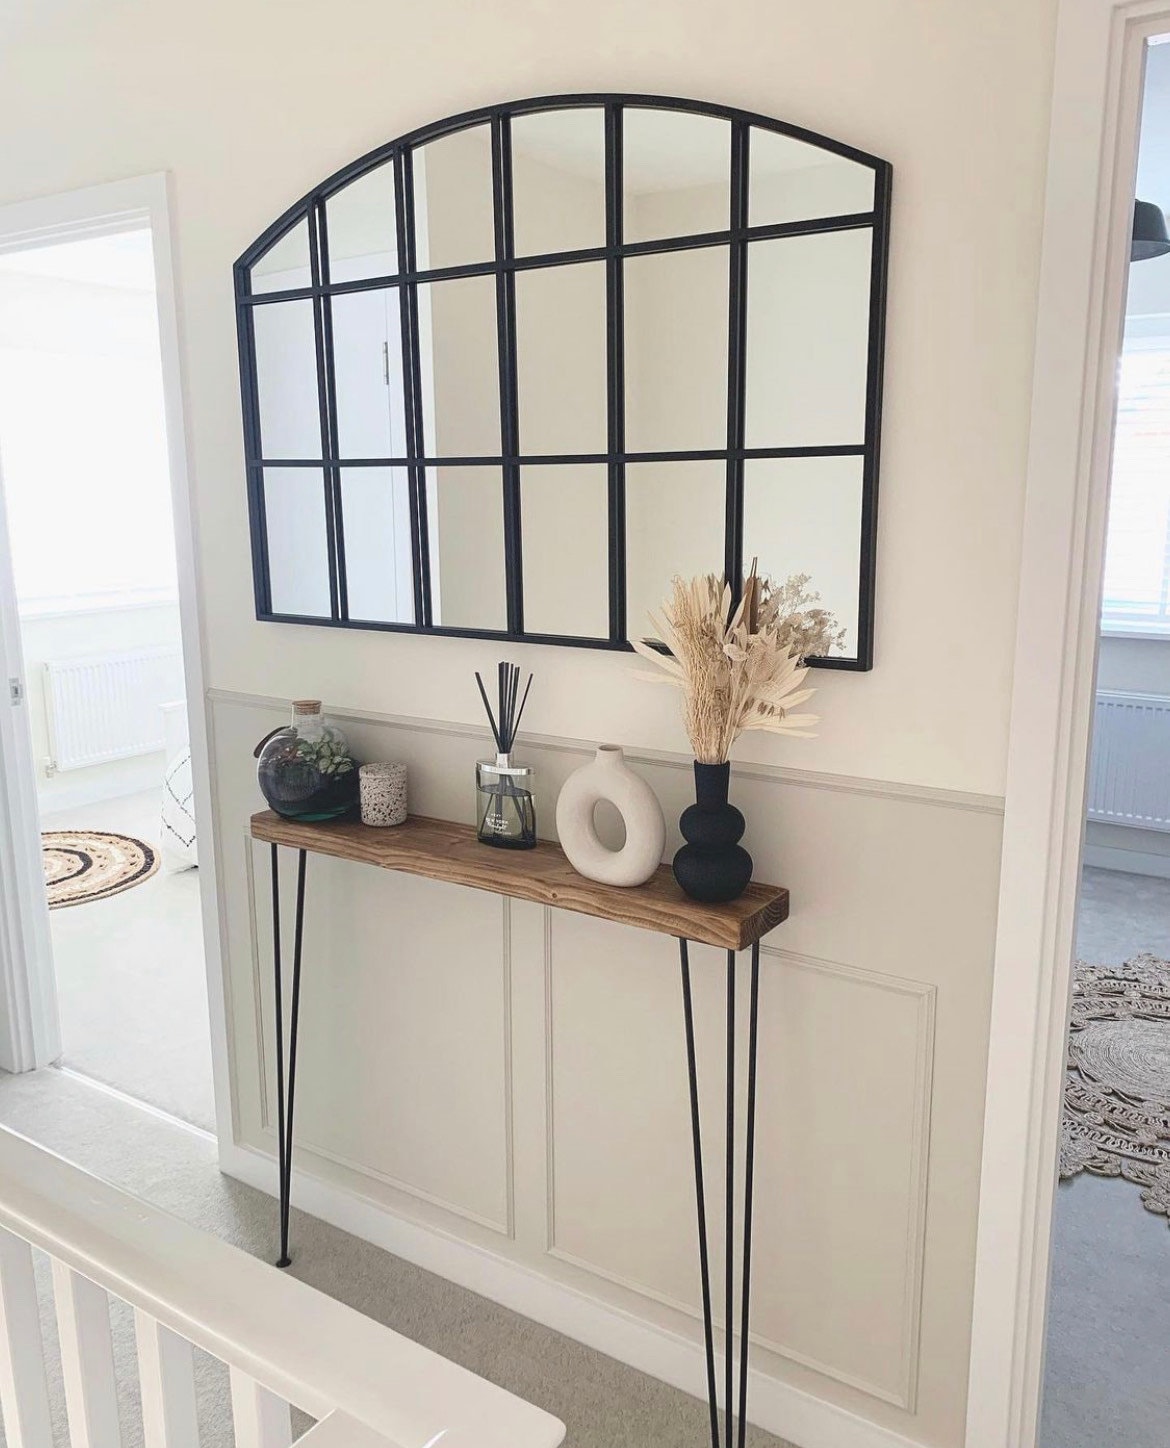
pixel 109 706
pixel 1129 777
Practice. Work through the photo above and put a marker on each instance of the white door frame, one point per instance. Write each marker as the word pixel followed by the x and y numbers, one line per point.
pixel 30 1033
pixel 1088 217
pixel 94 211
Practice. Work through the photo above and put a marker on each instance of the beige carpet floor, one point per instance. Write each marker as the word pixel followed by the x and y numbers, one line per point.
pixel 130 976
pixel 604 1403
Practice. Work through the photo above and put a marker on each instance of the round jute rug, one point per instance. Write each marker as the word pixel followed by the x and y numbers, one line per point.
pixel 1117 1084
pixel 84 865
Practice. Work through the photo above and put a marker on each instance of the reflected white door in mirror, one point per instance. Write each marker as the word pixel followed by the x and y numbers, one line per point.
pixel 608 778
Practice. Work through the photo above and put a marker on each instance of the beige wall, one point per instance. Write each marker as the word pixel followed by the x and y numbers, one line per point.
pixel 453 1096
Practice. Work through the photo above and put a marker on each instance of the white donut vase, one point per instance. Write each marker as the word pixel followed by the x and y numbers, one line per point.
pixel 608 777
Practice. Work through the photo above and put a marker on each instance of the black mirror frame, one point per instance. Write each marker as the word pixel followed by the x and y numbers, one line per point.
pixel 311 210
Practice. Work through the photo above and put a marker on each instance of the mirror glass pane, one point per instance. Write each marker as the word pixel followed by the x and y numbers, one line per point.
pixel 675 524
pixel 465 524
pixel 792 181
pixel 375 515
pixel 361 223
pixel 560 359
pixel 285 265
pixel 676 350
pixel 676 174
pixel 565 513
pixel 459 363
pixel 286 380
pixel 803 515
pixel 298 560
pixel 807 339
pixel 367 369
pixel 558 181
pixel 454 218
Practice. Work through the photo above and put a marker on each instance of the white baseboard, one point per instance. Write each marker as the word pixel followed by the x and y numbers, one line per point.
pixel 145 773
pixel 776 1407
pixel 1132 862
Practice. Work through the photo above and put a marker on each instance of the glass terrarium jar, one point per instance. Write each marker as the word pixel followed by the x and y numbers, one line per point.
pixel 505 812
pixel 305 769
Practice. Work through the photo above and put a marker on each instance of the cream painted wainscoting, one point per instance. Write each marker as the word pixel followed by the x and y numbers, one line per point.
pixel 499 1091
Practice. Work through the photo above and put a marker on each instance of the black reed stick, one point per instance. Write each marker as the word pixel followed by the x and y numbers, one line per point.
pixel 520 711
pixel 506 720
pixel 488 708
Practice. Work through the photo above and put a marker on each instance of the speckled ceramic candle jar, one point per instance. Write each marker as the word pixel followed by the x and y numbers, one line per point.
pixel 382 789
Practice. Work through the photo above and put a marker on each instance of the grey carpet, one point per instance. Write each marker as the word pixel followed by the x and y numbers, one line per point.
pixel 130 976
pixel 1107 1368
pixel 604 1403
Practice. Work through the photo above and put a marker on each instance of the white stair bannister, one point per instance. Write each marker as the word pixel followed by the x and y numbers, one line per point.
pixel 24 1391
pixel 166 1375
pixel 87 1359
pixel 261 1419
pixel 285 1343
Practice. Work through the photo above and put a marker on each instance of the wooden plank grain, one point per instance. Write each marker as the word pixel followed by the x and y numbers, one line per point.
pixel 444 850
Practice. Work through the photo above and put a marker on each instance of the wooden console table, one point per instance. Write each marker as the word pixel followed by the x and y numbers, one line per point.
pixel 441 850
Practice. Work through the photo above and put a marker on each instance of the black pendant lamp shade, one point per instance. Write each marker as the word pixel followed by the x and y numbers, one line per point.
pixel 1149 232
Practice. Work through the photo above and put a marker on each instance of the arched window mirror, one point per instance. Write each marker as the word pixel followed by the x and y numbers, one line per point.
pixel 509 374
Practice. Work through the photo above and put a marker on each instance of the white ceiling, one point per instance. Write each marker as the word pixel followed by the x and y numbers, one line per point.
pixel 124 259
pixel 1153 183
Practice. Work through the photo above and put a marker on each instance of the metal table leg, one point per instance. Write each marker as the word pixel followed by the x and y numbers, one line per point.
pixel 284 1101
pixel 731 1438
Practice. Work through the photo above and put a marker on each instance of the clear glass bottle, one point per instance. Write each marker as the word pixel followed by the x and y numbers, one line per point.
pixel 305 769
pixel 505 813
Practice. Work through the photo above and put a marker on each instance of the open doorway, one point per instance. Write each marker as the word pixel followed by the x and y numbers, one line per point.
pixel 86 481
pixel 1105 1375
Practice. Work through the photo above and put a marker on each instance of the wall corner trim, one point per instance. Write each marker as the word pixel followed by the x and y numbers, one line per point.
pixel 970 801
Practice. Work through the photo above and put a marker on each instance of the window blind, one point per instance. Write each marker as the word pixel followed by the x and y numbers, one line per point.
pixel 1137 552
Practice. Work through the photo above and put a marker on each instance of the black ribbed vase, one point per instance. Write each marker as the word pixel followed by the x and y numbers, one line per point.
pixel 712 866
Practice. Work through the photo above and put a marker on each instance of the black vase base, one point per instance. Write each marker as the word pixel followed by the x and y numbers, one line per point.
pixel 713 874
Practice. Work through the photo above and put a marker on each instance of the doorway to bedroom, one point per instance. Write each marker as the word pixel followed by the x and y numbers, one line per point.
pixel 1109 1302
pixel 87 488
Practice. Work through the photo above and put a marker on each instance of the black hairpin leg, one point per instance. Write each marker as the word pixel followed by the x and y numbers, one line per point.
pixel 284 1101
pixel 730 1439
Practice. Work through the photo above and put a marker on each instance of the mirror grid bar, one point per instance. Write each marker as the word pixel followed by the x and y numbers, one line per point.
pixel 878 284
pixel 736 360
pixel 770 231
pixel 718 454
pixel 328 385
pixel 327 443
pixel 506 341
pixel 615 370
pixel 412 388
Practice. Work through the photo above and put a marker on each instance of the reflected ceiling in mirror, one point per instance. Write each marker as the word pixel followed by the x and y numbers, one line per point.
pixel 362 227
pixel 508 375
pixel 558 181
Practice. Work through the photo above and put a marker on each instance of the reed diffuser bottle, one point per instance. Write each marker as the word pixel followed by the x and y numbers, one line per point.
pixel 505 813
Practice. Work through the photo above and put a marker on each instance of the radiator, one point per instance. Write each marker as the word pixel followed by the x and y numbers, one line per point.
pixel 1129 777
pixel 108 706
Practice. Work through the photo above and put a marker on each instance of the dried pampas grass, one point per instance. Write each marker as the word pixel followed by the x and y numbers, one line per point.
pixel 741 669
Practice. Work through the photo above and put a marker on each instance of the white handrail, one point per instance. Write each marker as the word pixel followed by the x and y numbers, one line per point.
pixel 305 1347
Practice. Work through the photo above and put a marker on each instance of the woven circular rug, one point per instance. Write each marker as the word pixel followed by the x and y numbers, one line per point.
pixel 84 865
pixel 1117 1084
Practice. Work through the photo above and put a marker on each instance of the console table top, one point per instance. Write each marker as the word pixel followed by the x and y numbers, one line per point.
pixel 444 850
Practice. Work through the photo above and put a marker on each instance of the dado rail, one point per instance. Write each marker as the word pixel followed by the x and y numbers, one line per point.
pixel 284 1343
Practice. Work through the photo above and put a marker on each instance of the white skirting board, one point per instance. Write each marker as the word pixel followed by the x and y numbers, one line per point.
pixel 774 1406
pixel 1129 862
